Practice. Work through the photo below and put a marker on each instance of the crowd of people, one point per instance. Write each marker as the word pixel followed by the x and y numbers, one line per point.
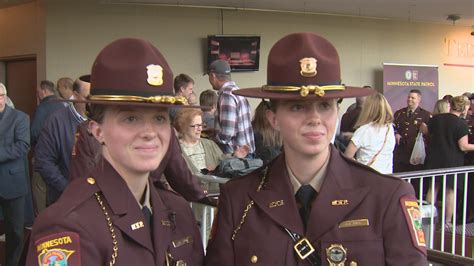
pixel 116 159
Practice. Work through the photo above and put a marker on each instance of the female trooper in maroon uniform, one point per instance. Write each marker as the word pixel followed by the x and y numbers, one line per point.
pixel 311 205
pixel 117 216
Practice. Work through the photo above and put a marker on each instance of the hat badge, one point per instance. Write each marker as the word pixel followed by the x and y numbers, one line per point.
pixel 155 75
pixel 308 67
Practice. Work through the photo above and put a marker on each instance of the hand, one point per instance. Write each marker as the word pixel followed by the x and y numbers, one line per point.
pixel 241 151
pixel 398 137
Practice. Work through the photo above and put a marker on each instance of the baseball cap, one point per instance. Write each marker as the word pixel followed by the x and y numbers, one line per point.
pixel 219 67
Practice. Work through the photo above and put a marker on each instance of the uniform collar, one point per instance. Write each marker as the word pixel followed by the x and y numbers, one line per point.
pixel 315 182
pixel 146 198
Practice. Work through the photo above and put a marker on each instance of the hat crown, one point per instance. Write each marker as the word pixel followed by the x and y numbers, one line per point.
pixel 220 67
pixel 313 60
pixel 131 67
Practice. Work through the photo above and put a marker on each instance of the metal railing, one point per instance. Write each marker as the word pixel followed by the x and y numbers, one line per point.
pixel 438 179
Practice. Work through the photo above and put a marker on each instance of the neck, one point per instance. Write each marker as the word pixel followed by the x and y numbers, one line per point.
pixel 136 182
pixel 189 140
pixel 303 166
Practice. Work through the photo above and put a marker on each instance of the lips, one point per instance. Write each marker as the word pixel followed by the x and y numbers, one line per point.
pixel 313 135
pixel 147 148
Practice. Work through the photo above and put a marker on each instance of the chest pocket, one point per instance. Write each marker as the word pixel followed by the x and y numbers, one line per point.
pixel 369 252
pixel 272 252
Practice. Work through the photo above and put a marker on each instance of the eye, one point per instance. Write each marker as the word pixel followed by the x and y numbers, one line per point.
pixel 131 119
pixel 296 107
pixel 325 105
pixel 161 119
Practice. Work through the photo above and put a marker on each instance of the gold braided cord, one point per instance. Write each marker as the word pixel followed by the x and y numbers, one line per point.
pixel 152 99
pixel 305 90
pixel 111 229
pixel 249 206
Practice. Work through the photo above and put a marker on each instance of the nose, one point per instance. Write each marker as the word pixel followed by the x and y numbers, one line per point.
pixel 149 130
pixel 313 117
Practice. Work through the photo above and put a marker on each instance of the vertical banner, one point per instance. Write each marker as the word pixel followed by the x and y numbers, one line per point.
pixel 399 79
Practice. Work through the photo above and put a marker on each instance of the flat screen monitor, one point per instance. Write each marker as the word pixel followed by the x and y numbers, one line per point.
pixel 242 52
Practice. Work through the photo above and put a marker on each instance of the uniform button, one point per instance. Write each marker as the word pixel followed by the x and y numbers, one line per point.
pixel 353 263
pixel 91 180
pixel 406 134
pixel 254 259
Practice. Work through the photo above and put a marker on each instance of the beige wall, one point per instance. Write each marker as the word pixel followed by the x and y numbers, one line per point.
pixel 75 32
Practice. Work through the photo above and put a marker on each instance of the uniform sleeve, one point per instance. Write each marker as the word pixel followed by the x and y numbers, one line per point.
pixel 84 153
pixel 47 152
pixel 178 174
pixel 227 119
pixel 400 246
pixel 462 130
pixel 61 242
pixel 21 140
pixel 220 249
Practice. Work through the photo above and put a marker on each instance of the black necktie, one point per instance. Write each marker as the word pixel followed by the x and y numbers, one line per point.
pixel 147 214
pixel 305 195
pixel 410 113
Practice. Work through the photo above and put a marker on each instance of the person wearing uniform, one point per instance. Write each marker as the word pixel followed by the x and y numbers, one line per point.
pixel 311 205
pixel 407 124
pixel 116 216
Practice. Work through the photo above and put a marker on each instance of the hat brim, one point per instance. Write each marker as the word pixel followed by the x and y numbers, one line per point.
pixel 137 104
pixel 259 92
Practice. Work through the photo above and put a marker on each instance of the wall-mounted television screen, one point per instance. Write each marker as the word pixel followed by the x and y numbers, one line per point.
pixel 242 52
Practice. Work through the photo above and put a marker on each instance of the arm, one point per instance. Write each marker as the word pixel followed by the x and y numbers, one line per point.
pixel 21 140
pixel 47 152
pixel 36 125
pixel 220 249
pixel 397 229
pixel 85 151
pixel 227 119
pixel 351 150
pixel 178 174
pixel 464 144
pixel 424 129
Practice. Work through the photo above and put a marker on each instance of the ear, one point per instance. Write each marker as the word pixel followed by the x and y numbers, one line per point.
pixel 96 130
pixel 271 117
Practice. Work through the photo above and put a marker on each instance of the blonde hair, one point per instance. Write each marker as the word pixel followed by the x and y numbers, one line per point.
pixel 2 86
pixel 377 110
pixel 260 124
pixel 441 107
pixel 458 103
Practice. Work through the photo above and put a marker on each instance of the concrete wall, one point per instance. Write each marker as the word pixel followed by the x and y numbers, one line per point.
pixel 75 31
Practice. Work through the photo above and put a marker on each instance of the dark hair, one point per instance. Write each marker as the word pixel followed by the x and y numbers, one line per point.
pixel 208 98
pixel 181 80
pixel 47 85
pixel 96 112
pixel 417 91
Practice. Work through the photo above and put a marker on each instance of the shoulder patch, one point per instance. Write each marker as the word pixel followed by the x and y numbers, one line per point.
pixel 412 214
pixel 59 249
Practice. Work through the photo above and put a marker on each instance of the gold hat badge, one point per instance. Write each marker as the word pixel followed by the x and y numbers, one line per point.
pixel 308 67
pixel 155 75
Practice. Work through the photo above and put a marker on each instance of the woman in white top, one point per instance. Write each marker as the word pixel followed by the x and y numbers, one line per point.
pixel 374 139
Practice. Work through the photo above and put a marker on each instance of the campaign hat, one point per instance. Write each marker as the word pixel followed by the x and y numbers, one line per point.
pixel 303 66
pixel 132 71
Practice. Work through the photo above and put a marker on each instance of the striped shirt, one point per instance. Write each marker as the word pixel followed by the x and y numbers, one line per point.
pixel 233 120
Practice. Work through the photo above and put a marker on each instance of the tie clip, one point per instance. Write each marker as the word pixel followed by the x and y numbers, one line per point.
pixel 137 225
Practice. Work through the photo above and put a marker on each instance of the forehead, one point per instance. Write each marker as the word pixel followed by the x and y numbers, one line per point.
pixel 413 95
pixel 303 102
pixel 136 109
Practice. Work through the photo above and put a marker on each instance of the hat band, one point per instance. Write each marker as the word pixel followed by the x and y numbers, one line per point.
pixel 152 99
pixel 305 90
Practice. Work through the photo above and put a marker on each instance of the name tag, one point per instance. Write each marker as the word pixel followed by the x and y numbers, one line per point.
pixel 354 223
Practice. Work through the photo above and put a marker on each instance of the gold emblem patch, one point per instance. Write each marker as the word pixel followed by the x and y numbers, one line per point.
pixel 277 203
pixel 308 67
pixel 336 255
pixel 155 75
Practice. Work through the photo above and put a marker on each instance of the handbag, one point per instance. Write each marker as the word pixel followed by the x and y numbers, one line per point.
pixel 235 167
pixel 418 153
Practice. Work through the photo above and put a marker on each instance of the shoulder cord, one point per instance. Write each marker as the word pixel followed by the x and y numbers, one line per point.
pixel 383 145
pixel 111 229
pixel 250 205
